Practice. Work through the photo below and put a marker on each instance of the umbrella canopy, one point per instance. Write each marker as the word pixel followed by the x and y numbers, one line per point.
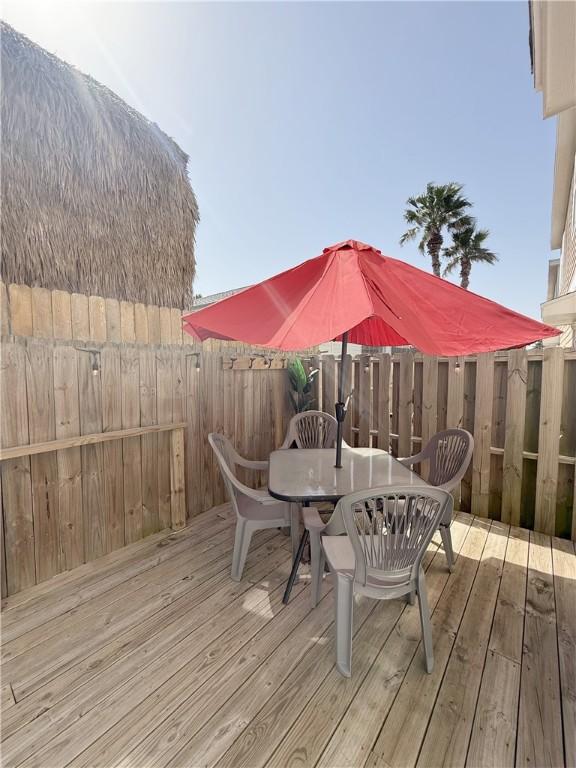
pixel 351 287
pixel 354 293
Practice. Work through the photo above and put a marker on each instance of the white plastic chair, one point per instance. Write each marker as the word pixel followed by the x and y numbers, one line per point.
pixel 449 453
pixel 255 509
pixel 311 429
pixel 388 531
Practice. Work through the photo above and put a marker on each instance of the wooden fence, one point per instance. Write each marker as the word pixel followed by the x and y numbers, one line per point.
pixel 47 314
pixel 520 406
pixel 91 454
pixel 77 500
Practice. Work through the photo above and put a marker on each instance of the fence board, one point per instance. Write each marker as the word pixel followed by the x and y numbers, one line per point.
pixel 127 328
pixel 328 383
pixel 364 401
pixel 194 441
pixel 429 403
pixel 20 298
pixel 548 440
pixel 44 468
pixel 80 317
pixel 16 483
pixel 113 321
pixel 177 500
pixel 165 325
pixel 164 414
pixel 405 403
pixel 61 315
pixel 455 406
pixel 347 426
pixel 514 436
pixel 153 314
pixel 5 322
pixel 112 450
pixel 93 502
pixel 482 434
pixel 131 448
pixel 384 402
pixel 176 326
pixel 67 424
pixel 148 416
pixel 97 318
pixel 140 323
pixel 42 313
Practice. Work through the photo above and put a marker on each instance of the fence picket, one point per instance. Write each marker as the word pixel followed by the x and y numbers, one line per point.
pixel 405 403
pixel 16 483
pixel 131 446
pixel 61 315
pixel 383 423
pixel 514 436
pixel 364 401
pixel 429 403
pixel 112 451
pixel 93 501
pixel 482 434
pixel 548 440
pixel 44 468
pixel 67 424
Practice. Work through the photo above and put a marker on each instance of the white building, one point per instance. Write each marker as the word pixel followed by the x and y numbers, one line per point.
pixel 553 49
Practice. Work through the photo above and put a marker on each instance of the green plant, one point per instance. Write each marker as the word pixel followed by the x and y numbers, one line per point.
pixel 301 383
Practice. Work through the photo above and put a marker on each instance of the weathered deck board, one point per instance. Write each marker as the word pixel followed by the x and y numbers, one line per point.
pixel 153 656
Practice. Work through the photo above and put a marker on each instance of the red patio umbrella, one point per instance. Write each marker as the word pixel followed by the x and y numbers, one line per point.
pixel 354 293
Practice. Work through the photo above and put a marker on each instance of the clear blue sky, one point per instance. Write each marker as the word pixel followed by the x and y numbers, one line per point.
pixel 310 123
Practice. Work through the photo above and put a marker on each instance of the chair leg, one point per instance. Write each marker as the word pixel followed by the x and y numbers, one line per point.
pixel 316 567
pixel 241 545
pixel 447 543
pixel 411 597
pixel 295 527
pixel 425 622
pixel 344 604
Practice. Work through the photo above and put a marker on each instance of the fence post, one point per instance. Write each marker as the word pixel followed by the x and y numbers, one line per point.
pixel 549 440
pixel 513 463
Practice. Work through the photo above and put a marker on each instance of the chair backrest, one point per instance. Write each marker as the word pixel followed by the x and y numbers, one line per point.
pixel 390 529
pixel 449 453
pixel 224 452
pixel 311 429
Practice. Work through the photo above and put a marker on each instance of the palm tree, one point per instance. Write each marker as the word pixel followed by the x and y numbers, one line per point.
pixel 441 207
pixel 466 249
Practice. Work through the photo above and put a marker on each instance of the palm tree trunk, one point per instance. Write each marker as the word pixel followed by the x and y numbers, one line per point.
pixel 433 246
pixel 465 267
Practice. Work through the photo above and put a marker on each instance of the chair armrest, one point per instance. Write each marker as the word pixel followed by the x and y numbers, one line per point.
pixel 262 465
pixel 312 519
pixel 409 461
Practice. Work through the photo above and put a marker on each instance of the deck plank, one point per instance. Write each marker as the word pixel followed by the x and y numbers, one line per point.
pixel 564 564
pixel 493 740
pixel 540 740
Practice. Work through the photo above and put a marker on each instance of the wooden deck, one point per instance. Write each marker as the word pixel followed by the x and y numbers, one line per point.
pixel 152 656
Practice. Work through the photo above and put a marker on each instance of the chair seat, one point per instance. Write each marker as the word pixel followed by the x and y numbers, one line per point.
pixel 267 508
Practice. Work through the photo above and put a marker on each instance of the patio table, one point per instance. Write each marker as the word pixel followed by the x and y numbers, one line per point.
pixel 308 475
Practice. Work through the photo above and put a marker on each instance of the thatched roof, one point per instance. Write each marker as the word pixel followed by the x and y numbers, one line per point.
pixel 95 198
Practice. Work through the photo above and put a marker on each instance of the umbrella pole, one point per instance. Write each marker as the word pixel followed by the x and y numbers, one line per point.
pixel 340 405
